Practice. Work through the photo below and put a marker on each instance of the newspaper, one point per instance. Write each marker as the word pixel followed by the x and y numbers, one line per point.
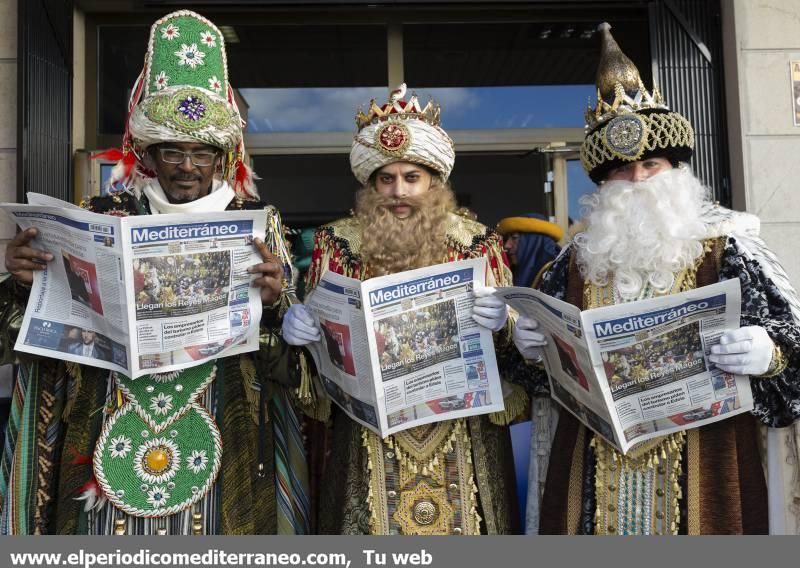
pixel 403 350
pixel 640 370
pixel 140 294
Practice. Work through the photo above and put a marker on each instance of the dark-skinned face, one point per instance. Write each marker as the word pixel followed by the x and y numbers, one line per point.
pixel 185 182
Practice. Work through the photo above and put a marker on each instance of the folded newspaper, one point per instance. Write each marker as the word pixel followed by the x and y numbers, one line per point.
pixel 640 370
pixel 403 350
pixel 144 294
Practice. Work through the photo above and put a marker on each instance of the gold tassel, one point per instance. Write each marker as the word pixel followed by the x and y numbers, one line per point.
pixel 303 392
pixel 313 407
pixel 74 372
pixel 251 387
pixel 373 519
pixel 516 404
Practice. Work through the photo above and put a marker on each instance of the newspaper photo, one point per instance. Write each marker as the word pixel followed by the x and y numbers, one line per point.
pixel 640 370
pixel 403 350
pixel 140 294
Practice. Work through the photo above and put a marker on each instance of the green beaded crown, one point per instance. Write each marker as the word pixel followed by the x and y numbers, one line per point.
pixel 185 96
pixel 182 95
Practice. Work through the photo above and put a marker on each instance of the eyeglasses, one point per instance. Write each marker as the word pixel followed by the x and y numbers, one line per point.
pixel 175 156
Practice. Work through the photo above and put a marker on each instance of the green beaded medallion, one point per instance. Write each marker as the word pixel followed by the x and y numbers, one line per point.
pixel 162 399
pixel 161 451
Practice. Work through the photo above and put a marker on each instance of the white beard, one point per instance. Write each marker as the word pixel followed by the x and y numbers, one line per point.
pixel 641 233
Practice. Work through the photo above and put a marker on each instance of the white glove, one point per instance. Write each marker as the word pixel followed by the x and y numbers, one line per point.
pixel 745 351
pixel 489 311
pixel 528 341
pixel 299 326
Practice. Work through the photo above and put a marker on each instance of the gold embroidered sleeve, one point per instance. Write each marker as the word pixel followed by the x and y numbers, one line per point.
pixel 777 365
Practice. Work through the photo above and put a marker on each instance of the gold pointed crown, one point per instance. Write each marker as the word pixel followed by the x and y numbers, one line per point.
pixel 399 108
pixel 619 87
pixel 629 123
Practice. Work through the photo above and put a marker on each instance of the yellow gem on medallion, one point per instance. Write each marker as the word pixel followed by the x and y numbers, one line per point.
pixel 157 460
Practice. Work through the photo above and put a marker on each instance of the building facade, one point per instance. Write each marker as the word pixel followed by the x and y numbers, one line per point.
pixel 512 78
pixel 508 92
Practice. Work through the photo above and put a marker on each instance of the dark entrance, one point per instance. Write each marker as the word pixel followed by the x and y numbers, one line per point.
pixel 44 124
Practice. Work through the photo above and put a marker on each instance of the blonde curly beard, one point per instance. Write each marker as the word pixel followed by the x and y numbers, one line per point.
pixel 391 245
pixel 640 233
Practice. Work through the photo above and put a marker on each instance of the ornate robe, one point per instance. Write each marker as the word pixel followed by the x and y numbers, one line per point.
pixel 708 480
pixel 451 477
pixel 59 411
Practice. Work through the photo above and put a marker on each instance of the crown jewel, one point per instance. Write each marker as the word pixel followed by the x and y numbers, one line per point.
pixel 397 107
pixel 619 87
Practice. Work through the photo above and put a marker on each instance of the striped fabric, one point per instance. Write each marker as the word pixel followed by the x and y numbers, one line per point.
pixel 12 430
pixel 291 469
pixel 18 471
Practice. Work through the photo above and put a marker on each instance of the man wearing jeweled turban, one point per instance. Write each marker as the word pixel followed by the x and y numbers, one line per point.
pixel 449 477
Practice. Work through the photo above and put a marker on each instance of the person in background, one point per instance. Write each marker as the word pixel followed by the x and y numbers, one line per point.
pixel 530 241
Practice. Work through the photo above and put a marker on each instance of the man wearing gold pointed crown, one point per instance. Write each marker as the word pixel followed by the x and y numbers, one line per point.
pixel 651 230
pixel 88 451
pixel 451 477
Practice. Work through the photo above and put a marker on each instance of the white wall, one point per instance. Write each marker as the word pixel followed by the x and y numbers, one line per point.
pixel 762 38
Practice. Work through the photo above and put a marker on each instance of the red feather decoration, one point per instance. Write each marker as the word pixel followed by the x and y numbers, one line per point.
pixel 78 459
pixel 112 155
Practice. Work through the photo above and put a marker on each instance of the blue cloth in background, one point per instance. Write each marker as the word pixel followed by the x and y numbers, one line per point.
pixel 521 447
pixel 533 251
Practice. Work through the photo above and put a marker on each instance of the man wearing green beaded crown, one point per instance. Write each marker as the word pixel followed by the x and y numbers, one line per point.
pixel 88 451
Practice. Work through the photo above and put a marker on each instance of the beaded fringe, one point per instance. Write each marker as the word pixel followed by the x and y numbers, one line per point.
pixel 516 404
pixel 663 458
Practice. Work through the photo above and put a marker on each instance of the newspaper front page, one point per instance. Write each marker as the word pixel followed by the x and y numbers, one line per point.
pixel 144 294
pixel 640 370
pixel 403 350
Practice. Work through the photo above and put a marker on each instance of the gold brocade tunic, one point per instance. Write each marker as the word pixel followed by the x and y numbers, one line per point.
pixel 425 480
pixel 422 481
pixel 638 493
